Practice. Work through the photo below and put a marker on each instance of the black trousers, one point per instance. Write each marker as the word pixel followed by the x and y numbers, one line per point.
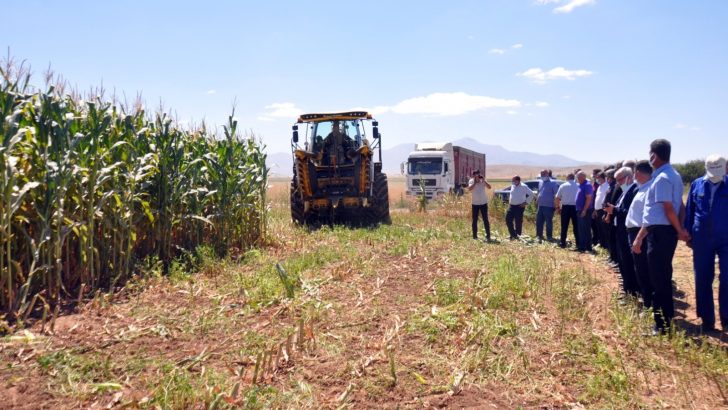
pixel 622 246
pixel 614 251
pixel 594 228
pixel 514 220
pixel 602 229
pixel 568 215
pixel 642 272
pixel 661 244
pixel 483 211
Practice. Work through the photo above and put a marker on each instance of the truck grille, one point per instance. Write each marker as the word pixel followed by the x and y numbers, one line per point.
pixel 428 182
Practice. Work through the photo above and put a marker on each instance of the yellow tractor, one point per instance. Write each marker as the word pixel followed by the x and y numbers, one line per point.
pixel 335 175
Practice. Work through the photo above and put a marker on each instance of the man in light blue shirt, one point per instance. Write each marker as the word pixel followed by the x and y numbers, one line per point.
pixel 566 207
pixel 662 226
pixel 633 223
pixel 546 194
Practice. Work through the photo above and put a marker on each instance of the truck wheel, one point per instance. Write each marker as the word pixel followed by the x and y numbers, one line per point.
pixel 297 214
pixel 380 208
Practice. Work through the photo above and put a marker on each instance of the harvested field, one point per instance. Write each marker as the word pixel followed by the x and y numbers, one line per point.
pixel 411 315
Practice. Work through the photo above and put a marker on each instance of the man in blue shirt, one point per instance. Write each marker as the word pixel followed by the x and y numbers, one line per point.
pixel 546 193
pixel 662 226
pixel 584 200
pixel 707 222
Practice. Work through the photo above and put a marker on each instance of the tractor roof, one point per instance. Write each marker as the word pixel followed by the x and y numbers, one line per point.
pixel 341 116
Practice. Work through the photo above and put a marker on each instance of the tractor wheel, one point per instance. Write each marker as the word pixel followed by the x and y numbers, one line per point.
pixel 380 208
pixel 297 213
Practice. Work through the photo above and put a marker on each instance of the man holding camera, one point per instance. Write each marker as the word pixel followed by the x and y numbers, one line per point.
pixel 477 186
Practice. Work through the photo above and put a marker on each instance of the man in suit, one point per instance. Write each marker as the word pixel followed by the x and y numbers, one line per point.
pixel 618 213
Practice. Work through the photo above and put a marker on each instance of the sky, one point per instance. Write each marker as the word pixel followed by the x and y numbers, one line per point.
pixel 595 80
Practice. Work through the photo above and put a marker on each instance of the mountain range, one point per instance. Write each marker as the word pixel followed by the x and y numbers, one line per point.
pixel 280 163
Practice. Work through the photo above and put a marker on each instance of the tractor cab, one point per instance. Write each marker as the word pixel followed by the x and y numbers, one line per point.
pixel 336 163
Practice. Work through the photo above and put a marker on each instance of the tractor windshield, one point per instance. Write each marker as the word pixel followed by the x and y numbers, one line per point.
pixel 348 132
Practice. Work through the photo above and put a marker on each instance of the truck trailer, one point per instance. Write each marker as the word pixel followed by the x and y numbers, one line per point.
pixel 441 167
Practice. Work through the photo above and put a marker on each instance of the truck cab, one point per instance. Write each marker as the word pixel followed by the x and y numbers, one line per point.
pixel 441 168
pixel 430 164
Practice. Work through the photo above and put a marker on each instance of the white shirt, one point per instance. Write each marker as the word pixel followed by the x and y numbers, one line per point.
pixel 601 196
pixel 634 216
pixel 567 193
pixel 478 192
pixel 520 194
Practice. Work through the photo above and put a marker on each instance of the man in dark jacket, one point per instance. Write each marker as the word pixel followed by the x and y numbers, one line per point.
pixel 618 213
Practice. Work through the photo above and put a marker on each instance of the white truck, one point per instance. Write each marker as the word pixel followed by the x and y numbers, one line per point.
pixel 442 167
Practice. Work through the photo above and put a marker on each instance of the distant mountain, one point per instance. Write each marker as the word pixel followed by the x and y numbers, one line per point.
pixel 281 163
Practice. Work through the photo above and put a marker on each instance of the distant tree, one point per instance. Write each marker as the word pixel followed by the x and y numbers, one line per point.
pixel 691 170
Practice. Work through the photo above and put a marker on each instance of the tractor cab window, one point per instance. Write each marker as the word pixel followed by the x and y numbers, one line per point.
pixel 336 132
pixel 425 166
pixel 336 140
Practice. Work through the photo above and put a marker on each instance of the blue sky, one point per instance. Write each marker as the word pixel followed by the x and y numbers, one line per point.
pixel 595 80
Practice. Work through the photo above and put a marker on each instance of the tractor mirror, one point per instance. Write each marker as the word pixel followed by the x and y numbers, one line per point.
pixel 375 131
pixel 446 167
pixel 295 133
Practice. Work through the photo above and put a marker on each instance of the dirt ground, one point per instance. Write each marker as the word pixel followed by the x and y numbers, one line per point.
pixel 356 337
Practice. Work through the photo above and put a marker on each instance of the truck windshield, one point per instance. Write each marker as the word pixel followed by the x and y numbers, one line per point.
pixel 425 166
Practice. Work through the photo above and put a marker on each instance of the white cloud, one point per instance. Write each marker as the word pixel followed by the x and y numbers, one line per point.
pixel 499 51
pixel 571 5
pixel 540 76
pixel 511 112
pixel 285 110
pixel 541 104
pixel 681 126
pixel 517 46
pixel 447 104
pixel 565 8
pixel 211 91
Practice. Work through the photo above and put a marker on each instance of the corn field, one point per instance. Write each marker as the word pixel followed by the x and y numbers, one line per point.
pixel 89 190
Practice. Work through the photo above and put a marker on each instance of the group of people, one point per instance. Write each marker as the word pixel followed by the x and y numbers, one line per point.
pixel 635 211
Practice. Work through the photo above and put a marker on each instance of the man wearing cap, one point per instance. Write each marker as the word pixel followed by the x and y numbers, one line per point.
pixel 707 222
pixel 520 196
pixel 477 186
pixel 545 215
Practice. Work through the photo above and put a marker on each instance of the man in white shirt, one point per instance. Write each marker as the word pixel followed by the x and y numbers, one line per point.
pixel 477 186
pixel 599 212
pixel 566 207
pixel 520 197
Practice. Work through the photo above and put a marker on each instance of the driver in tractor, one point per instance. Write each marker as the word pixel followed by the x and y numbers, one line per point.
pixel 337 146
